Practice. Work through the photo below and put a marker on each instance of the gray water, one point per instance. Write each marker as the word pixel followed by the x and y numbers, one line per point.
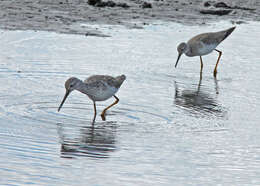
pixel 169 128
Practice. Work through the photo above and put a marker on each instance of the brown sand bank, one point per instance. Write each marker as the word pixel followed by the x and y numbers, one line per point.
pixel 62 15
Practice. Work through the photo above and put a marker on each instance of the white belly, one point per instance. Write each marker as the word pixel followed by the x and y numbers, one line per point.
pixel 206 49
pixel 102 95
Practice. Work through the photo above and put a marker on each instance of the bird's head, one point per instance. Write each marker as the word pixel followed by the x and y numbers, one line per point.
pixel 70 85
pixel 182 48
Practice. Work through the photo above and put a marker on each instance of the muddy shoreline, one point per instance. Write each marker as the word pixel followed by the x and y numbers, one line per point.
pixel 66 16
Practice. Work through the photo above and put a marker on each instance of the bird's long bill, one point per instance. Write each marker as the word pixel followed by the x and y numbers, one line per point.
pixel 65 97
pixel 179 56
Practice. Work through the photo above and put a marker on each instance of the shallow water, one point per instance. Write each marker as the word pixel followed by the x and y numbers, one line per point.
pixel 168 128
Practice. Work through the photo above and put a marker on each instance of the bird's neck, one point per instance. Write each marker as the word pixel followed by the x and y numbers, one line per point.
pixel 82 87
pixel 188 52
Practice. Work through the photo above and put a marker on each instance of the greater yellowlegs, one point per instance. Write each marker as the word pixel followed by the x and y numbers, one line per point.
pixel 97 88
pixel 203 44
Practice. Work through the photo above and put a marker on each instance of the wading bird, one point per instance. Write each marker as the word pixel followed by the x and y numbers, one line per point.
pixel 203 44
pixel 97 88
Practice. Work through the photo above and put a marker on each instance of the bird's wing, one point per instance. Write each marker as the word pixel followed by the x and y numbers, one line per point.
pixel 214 37
pixel 95 78
pixel 103 79
pixel 207 38
pixel 96 88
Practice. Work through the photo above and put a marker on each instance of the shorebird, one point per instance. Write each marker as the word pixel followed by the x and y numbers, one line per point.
pixel 203 44
pixel 97 88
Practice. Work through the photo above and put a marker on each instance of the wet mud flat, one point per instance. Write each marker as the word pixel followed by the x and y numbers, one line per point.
pixel 66 16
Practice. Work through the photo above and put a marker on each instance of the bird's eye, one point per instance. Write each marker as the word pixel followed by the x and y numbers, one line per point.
pixel 71 86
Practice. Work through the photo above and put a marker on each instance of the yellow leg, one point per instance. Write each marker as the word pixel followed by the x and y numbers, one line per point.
pixel 216 85
pixel 104 111
pixel 95 112
pixel 199 84
pixel 201 66
pixel 215 70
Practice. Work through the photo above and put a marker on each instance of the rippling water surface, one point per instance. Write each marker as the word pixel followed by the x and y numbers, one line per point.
pixel 168 128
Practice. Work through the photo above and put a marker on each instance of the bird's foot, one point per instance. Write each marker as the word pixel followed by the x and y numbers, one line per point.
pixel 103 116
pixel 215 73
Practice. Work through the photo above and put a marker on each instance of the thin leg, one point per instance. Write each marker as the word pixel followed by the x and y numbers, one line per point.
pixel 216 85
pixel 199 84
pixel 95 112
pixel 215 70
pixel 201 65
pixel 200 75
pixel 104 111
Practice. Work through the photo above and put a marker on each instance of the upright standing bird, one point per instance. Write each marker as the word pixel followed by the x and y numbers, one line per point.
pixel 97 88
pixel 203 44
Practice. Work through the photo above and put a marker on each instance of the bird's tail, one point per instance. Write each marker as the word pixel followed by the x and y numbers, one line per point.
pixel 228 32
pixel 120 80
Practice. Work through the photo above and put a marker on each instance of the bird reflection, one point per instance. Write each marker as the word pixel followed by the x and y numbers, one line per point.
pixel 198 101
pixel 94 142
